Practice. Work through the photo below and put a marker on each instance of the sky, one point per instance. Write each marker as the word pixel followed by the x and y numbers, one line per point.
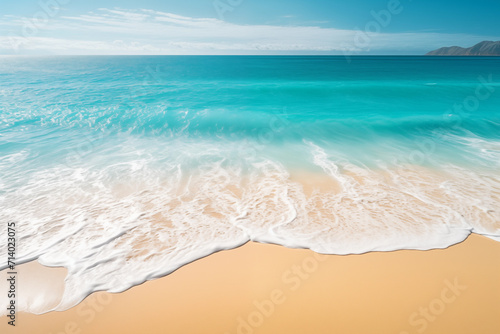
pixel 164 27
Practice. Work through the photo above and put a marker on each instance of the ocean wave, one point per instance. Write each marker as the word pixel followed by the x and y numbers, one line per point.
pixel 117 223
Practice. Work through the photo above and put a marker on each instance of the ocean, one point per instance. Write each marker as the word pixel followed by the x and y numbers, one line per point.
pixel 123 169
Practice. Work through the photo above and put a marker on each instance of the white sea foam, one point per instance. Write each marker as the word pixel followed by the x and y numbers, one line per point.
pixel 117 223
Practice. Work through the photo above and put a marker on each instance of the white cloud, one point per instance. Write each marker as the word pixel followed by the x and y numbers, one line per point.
pixel 120 31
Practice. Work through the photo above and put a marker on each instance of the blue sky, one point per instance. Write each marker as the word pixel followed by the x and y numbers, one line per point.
pixel 244 26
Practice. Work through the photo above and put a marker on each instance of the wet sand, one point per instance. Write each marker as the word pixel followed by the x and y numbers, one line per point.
pixel 260 288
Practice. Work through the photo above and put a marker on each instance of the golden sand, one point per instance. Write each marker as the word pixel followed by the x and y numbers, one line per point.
pixel 261 288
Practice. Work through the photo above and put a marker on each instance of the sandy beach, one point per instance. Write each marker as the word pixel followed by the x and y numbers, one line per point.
pixel 261 288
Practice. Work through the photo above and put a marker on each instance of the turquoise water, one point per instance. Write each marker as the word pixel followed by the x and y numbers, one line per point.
pixel 163 160
pixel 371 108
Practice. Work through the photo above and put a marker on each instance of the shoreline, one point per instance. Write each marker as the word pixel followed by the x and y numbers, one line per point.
pixel 265 288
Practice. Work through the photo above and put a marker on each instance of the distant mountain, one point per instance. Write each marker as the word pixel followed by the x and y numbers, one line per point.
pixel 486 48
